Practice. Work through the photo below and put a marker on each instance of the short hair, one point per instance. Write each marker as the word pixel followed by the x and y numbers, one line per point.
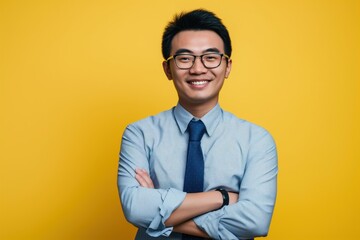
pixel 197 20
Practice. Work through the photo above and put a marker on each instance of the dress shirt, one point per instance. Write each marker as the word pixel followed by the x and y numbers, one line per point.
pixel 239 156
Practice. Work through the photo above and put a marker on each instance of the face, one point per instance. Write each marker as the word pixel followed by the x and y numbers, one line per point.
pixel 197 86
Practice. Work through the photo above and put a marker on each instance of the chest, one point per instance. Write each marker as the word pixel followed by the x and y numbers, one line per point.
pixel 224 161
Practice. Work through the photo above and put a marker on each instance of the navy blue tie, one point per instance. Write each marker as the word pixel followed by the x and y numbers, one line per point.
pixel 194 171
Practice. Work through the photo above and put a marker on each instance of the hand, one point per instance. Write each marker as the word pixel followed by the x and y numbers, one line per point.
pixel 233 197
pixel 143 178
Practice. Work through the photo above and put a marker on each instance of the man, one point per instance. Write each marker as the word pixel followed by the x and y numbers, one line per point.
pixel 221 185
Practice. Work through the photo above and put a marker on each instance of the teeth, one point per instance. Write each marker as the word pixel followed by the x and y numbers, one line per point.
pixel 199 82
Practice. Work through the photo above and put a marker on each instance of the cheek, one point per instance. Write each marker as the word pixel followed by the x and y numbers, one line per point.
pixel 178 75
pixel 178 83
pixel 220 74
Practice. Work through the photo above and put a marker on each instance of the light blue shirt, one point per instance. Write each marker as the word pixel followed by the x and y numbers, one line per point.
pixel 239 156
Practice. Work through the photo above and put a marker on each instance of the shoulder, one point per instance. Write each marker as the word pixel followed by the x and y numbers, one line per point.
pixel 248 130
pixel 154 119
pixel 151 123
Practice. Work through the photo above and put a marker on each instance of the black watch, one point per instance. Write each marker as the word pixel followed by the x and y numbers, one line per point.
pixel 225 196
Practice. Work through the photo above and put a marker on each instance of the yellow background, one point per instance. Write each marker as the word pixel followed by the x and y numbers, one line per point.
pixel 73 74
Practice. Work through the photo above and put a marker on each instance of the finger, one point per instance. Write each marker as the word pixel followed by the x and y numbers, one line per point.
pixel 141 180
pixel 145 176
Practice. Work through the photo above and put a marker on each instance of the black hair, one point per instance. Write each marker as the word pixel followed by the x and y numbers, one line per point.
pixel 198 19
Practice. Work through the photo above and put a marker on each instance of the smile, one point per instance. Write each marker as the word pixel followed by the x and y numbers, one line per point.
pixel 198 83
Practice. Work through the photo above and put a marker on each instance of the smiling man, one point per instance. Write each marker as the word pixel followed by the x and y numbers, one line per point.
pixel 197 171
pixel 198 69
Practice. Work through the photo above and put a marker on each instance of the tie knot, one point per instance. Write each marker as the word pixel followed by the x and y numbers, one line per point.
pixel 196 130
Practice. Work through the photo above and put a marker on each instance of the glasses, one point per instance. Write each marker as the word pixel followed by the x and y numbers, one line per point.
pixel 209 60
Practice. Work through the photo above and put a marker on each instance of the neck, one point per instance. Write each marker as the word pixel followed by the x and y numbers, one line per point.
pixel 198 110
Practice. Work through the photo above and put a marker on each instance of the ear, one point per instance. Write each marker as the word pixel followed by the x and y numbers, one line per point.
pixel 167 70
pixel 228 68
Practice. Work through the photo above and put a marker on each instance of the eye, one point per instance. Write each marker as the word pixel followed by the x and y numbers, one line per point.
pixel 184 58
pixel 211 57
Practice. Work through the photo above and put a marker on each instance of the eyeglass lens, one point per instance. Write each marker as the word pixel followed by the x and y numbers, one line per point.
pixel 186 61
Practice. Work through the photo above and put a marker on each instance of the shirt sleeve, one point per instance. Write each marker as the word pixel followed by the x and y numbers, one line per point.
pixel 143 207
pixel 250 217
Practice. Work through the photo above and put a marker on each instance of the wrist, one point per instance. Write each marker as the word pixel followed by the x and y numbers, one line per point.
pixel 225 197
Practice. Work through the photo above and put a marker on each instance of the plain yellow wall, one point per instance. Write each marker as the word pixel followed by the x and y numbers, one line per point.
pixel 73 74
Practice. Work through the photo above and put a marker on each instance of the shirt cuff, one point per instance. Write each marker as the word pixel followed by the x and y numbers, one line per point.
pixel 172 198
pixel 210 222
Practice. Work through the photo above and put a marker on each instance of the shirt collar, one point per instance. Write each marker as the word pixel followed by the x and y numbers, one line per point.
pixel 210 120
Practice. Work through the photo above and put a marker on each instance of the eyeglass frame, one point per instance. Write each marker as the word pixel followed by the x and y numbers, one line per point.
pixel 196 56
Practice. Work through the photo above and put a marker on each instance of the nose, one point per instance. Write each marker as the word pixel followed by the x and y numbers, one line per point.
pixel 198 67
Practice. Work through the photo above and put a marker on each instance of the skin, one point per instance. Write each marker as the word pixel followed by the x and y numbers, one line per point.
pixel 198 100
pixel 193 205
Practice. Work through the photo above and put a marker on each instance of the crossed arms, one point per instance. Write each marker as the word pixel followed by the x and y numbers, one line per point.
pixel 161 210
pixel 193 205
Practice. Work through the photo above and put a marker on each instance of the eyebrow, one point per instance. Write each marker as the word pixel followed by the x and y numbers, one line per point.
pixel 184 50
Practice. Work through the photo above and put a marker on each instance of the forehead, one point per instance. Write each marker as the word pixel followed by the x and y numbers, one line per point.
pixel 197 41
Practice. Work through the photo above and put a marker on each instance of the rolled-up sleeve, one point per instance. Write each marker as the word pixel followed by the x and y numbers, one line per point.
pixel 251 216
pixel 143 207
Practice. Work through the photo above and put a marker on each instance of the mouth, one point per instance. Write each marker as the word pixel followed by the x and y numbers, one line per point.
pixel 198 83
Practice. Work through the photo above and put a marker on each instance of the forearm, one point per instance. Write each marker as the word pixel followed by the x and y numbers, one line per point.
pixel 190 228
pixel 242 220
pixel 194 205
